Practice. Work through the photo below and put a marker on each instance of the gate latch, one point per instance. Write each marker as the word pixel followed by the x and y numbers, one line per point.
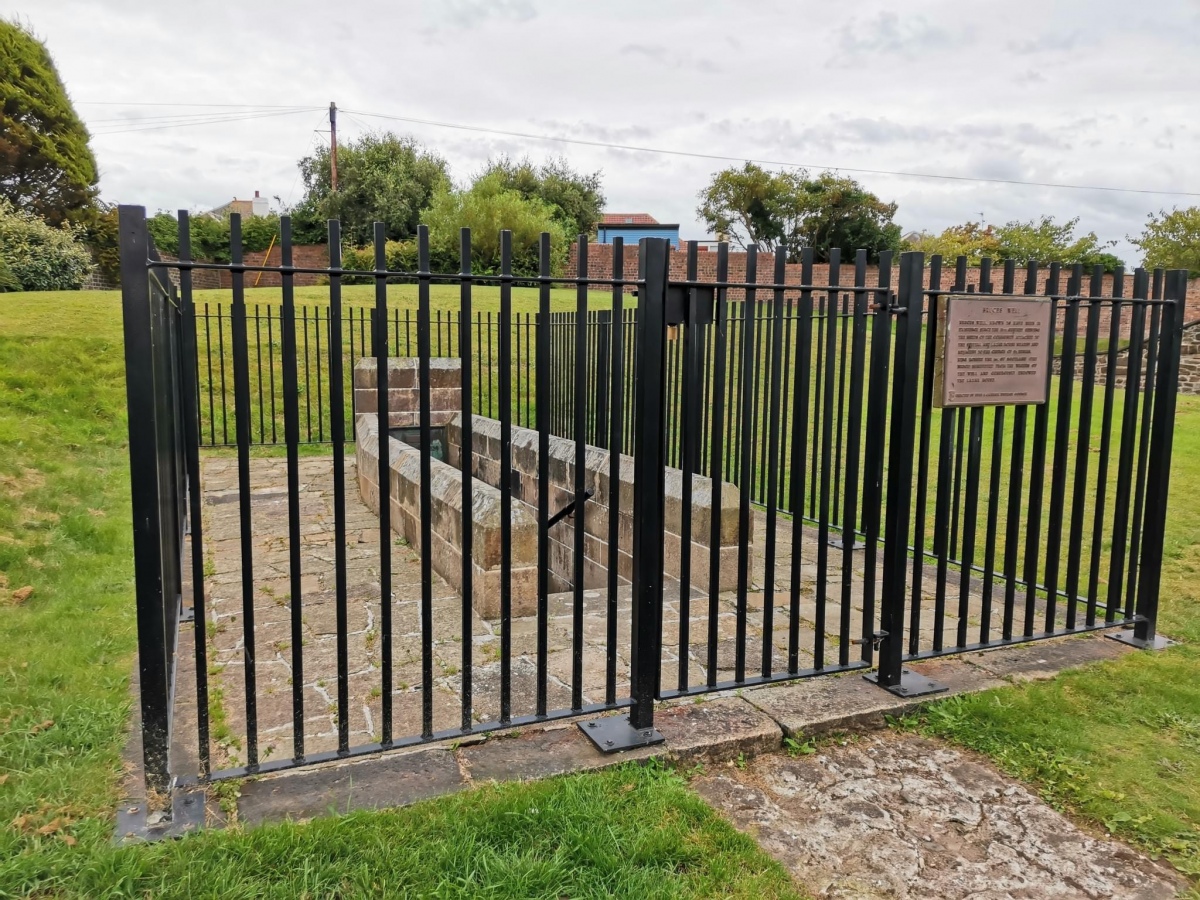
pixel 691 305
pixel 875 640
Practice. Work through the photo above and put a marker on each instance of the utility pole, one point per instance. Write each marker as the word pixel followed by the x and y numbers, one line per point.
pixel 333 145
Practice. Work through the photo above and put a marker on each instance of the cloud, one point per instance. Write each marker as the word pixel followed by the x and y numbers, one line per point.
pixel 919 90
pixel 888 33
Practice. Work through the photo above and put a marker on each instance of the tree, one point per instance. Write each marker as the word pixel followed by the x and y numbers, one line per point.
pixel 786 211
pixel 577 198
pixel 971 239
pixel 1171 240
pixel 753 206
pixel 1043 240
pixel 46 165
pixel 381 178
pixel 840 212
pixel 39 256
pixel 1046 240
pixel 487 208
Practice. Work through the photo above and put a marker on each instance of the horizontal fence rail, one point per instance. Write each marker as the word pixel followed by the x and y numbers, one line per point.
pixel 629 488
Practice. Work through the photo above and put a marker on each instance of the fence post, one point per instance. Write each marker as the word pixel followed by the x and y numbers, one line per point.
pixel 891 675
pixel 1162 434
pixel 649 474
pixel 154 675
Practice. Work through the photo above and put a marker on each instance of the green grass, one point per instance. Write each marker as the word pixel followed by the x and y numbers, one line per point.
pixel 66 653
pixel 629 832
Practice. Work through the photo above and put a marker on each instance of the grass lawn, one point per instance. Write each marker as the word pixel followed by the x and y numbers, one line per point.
pixel 66 652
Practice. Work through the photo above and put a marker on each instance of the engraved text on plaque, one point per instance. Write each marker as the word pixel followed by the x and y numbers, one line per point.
pixel 994 351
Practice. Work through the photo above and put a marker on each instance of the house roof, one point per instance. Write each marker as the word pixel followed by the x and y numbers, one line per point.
pixel 244 207
pixel 627 219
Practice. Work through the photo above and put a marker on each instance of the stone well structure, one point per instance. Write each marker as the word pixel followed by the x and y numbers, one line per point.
pixel 404 495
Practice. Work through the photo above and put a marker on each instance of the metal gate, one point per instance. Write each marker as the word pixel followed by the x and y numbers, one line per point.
pixel 801 505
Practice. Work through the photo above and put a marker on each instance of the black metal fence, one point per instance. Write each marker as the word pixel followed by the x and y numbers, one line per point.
pixel 872 527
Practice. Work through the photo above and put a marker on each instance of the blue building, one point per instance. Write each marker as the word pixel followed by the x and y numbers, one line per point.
pixel 632 227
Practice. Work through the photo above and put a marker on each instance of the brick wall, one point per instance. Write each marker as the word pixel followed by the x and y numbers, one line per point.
pixel 305 256
pixel 600 265
pixel 1189 363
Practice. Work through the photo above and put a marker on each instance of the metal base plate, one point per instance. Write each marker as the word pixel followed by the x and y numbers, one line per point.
pixel 136 823
pixel 912 684
pixel 1158 642
pixel 614 733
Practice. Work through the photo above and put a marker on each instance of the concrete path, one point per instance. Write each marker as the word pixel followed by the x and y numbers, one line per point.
pixel 898 816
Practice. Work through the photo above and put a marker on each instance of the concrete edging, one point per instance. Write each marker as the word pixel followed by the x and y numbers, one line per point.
pixel 717 728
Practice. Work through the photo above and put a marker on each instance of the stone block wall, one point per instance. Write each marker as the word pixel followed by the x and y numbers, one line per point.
pixel 596 511
pixel 1189 363
pixel 404 497
pixel 404 396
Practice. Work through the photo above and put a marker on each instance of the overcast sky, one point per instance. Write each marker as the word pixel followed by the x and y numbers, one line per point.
pixel 1093 92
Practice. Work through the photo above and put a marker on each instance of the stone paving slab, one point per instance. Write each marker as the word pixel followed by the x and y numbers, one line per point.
pixel 898 816
pixel 393 779
pixel 273 638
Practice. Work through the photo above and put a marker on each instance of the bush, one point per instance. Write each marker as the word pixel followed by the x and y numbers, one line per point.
pixel 487 208
pixel 210 237
pixel 41 257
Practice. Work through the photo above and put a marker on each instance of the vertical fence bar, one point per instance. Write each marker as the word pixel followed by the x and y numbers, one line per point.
pixel 969 521
pixel 905 372
pixel 504 339
pixel 291 436
pixel 930 331
pixel 241 405
pixel 424 349
pixel 874 447
pixel 1148 379
pixel 993 517
pixel 1016 469
pixel 803 376
pixel 850 485
pixel 688 438
pixel 746 469
pixel 1161 439
pixel 1083 446
pixel 615 443
pixel 1129 421
pixel 212 420
pixel 154 673
pixel 190 394
pixel 1037 474
pixel 383 381
pixel 579 432
pixel 716 461
pixel 224 387
pixel 772 463
pixel 827 463
pixel 1106 420
pixel 468 487
pixel 1062 431
pixel 337 434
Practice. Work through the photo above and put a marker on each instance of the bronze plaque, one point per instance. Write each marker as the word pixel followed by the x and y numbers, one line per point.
pixel 994 351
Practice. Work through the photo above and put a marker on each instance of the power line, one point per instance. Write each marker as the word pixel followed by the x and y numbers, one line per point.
pixel 213 120
pixel 187 105
pixel 133 119
pixel 721 158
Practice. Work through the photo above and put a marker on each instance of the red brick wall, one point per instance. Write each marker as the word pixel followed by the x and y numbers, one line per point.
pixel 305 256
pixel 600 262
